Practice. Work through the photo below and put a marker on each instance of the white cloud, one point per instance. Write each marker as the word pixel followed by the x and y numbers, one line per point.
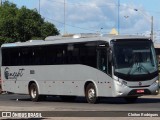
pixel 95 14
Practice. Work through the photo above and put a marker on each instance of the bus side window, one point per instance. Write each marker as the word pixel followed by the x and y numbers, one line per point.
pixel 102 60
pixel 109 62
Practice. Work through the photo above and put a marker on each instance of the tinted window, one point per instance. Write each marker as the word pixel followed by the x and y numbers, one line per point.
pixel 79 53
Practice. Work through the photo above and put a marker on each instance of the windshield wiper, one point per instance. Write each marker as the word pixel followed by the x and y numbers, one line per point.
pixel 139 68
pixel 130 69
pixel 144 68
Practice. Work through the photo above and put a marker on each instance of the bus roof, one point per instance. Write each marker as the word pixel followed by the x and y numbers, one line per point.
pixel 73 39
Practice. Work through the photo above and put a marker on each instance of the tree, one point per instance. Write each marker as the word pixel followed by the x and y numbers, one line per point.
pixel 48 29
pixel 7 20
pixel 22 24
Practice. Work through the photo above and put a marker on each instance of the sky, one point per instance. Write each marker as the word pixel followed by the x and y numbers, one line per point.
pixel 90 16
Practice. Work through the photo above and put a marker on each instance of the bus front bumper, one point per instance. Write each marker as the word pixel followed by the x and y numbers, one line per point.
pixel 122 90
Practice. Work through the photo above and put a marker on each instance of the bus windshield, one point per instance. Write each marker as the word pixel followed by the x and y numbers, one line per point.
pixel 134 58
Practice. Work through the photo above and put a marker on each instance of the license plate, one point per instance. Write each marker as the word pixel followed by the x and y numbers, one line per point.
pixel 140 91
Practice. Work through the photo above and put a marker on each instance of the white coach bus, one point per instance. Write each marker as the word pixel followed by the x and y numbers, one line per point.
pixel 90 65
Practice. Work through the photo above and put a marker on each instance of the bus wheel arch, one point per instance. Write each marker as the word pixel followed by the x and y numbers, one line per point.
pixel 90 90
pixel 33 91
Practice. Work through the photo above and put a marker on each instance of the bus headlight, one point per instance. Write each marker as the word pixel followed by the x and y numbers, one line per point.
pixel 157 81
pixel 120 83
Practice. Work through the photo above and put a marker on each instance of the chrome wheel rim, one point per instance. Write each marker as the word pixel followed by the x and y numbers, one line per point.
pixel 33 93
pixel 91 93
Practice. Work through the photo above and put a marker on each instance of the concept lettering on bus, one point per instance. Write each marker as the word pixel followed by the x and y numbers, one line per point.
pixel 86 65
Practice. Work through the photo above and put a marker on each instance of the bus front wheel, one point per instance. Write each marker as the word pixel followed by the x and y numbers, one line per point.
pixel 90 93
pixel 33 91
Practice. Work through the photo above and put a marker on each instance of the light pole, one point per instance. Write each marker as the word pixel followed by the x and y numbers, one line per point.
pixel 118 16
pixel 39 7
pixel 152 35
pixel 151 20
pixel 0 2
pixel 64 16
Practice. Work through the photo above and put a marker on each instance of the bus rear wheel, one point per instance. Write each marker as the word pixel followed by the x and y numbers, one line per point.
pixel 33 91
pixel 90 93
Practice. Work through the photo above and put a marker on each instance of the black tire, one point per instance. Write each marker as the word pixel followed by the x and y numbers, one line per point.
pixel 33 91
pixel 68 98
pixel 91 94
pixel 131 99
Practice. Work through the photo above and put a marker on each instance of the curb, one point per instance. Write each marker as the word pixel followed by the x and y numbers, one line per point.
pixel 151 96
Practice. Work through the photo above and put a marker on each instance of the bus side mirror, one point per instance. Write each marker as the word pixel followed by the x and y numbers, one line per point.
pixel 109 55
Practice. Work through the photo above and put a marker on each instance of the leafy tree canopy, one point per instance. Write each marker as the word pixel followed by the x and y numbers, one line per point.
pixel 22 24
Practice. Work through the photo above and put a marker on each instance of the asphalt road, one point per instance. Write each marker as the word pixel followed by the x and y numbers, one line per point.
pixel 23 102
pixel 14 102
